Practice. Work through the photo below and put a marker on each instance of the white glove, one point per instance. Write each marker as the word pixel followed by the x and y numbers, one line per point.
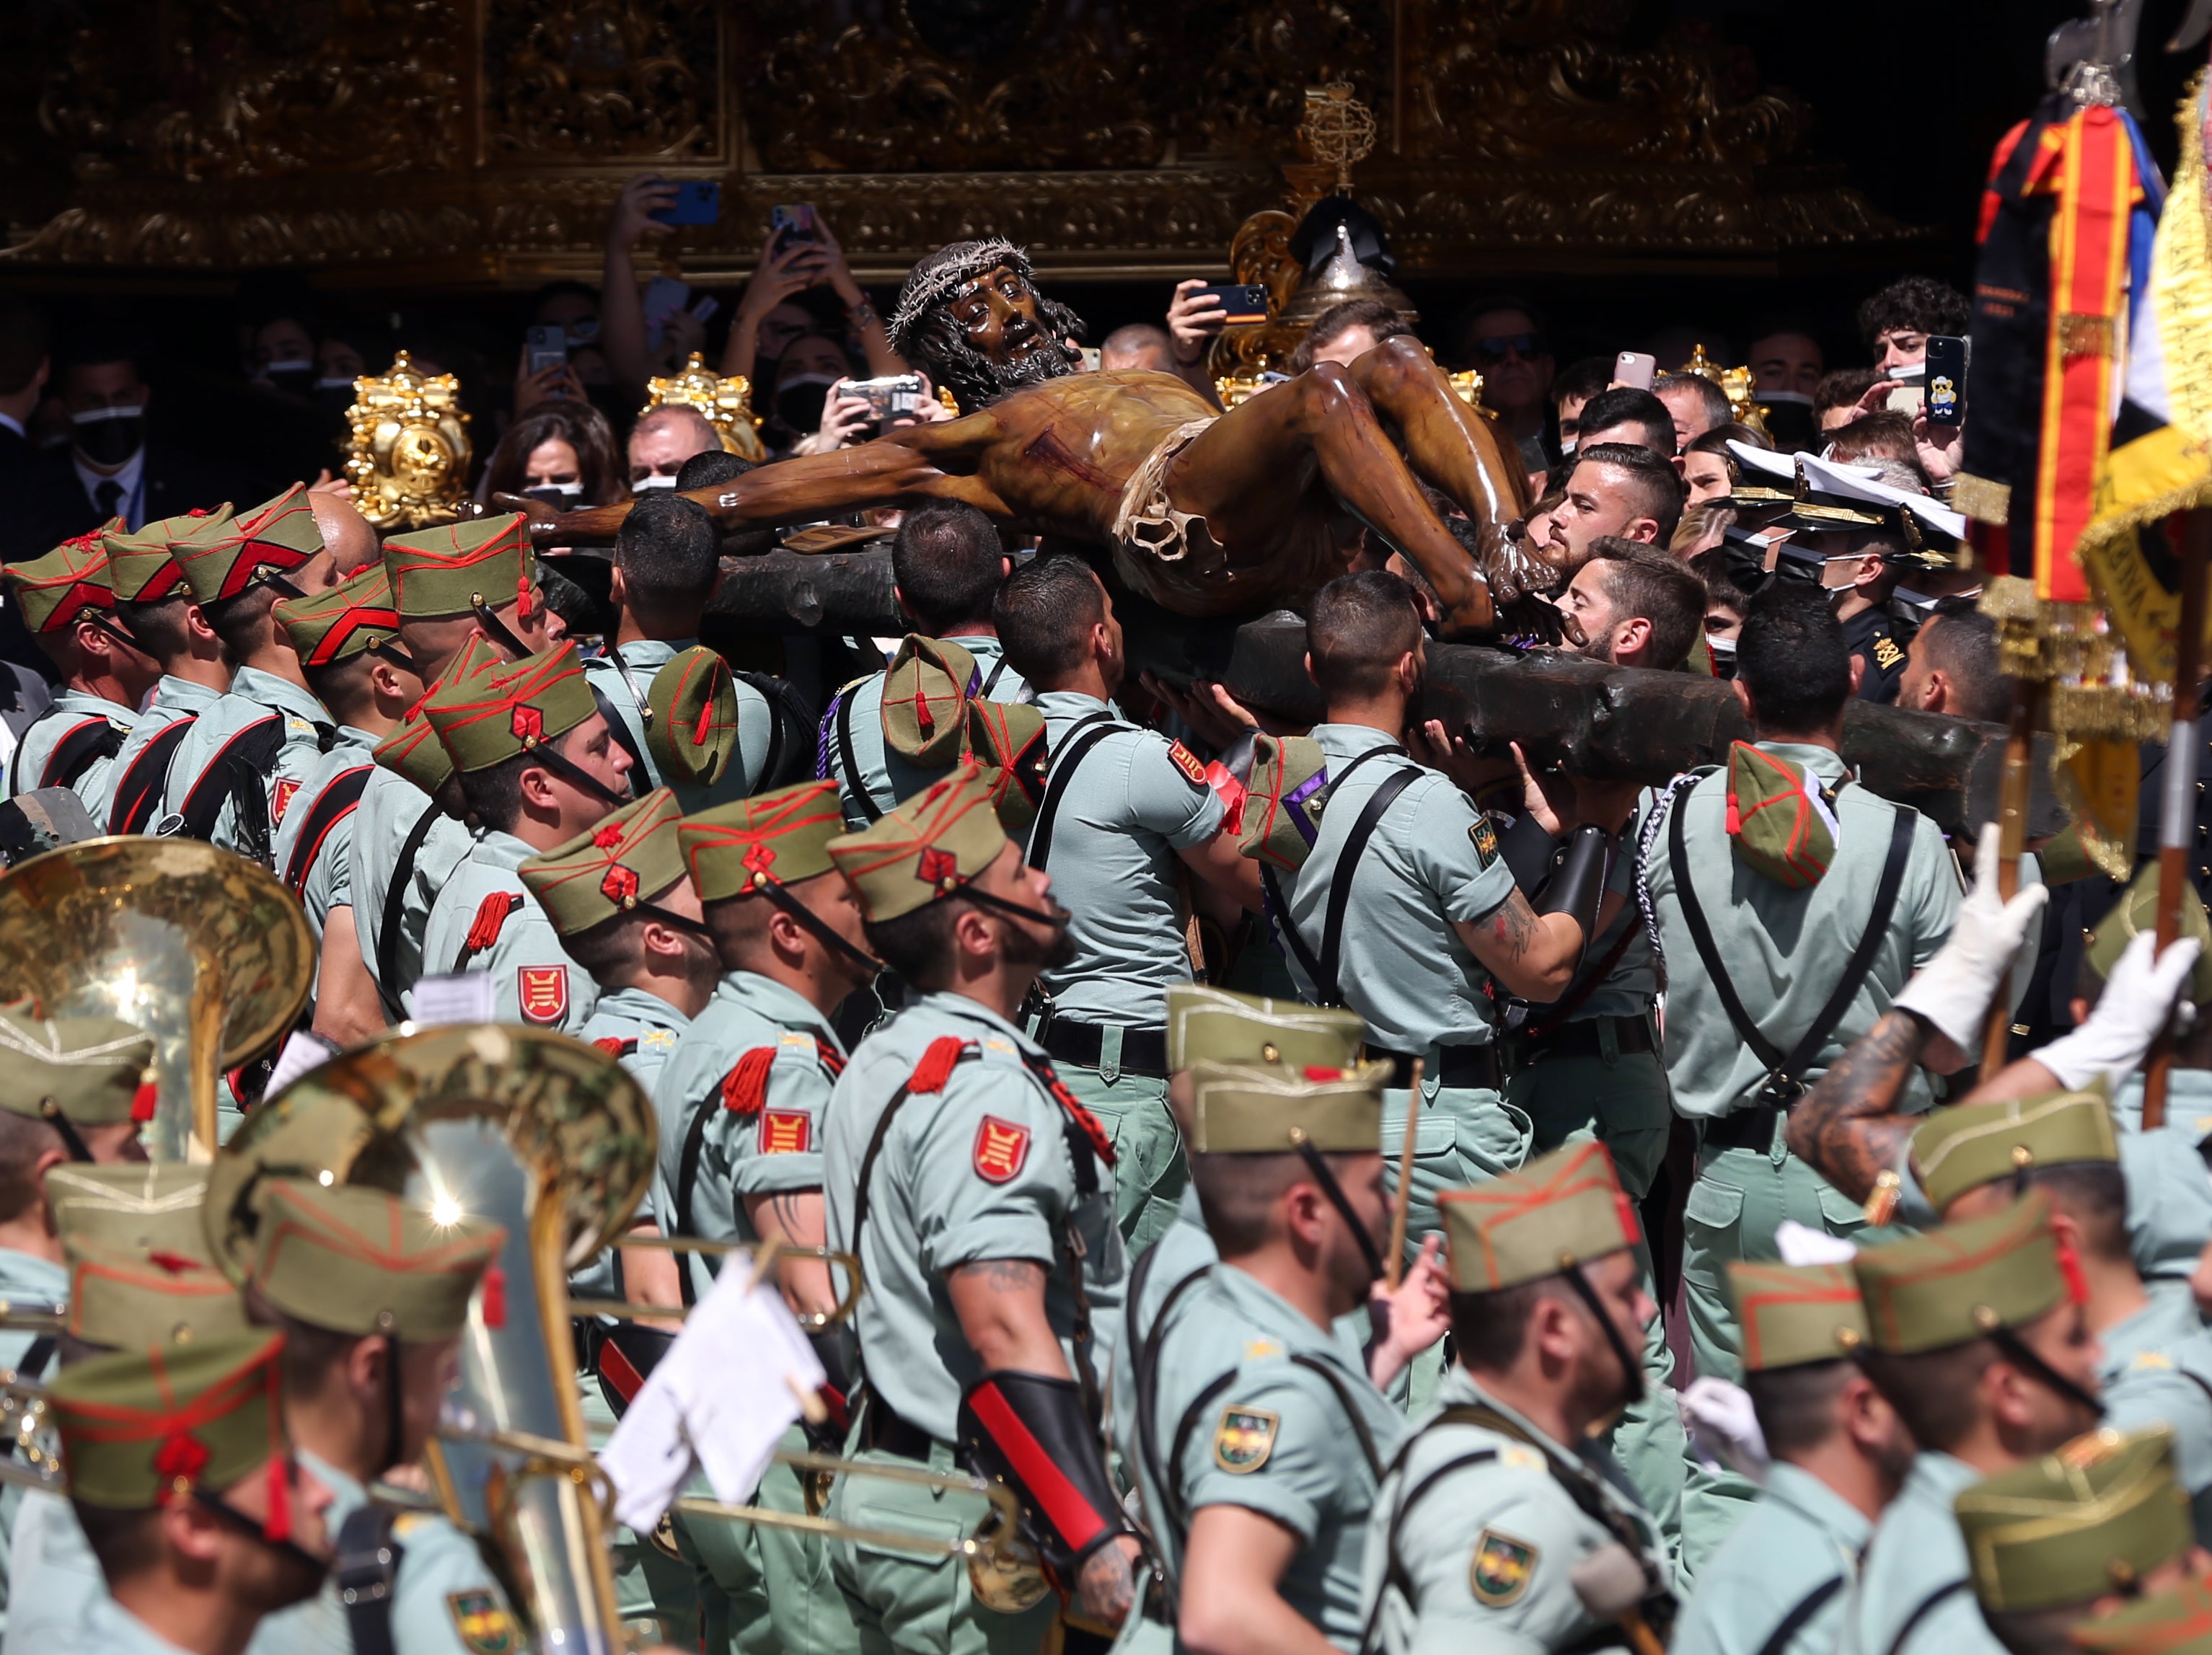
pixel 1953 991
pixel 1723 1427
pixel 2130 1013
pixel 1800 1245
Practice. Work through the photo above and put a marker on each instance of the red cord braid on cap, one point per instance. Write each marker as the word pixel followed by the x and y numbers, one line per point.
pixel 936 1066
pixel 706 722
pixel 1734 823
pixel 278 1526
pixel 522 596
pixel 2070 1266
pixel 495 1298
pixel 745 1088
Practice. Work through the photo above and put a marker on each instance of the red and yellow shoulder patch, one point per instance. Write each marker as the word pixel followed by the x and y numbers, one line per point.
pixel 1002 1148
pixel 785 1132
pixel 543 993
pixel 280 798
pixel 1187 761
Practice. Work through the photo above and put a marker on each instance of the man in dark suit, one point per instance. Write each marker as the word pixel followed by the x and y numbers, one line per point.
pixel 23 366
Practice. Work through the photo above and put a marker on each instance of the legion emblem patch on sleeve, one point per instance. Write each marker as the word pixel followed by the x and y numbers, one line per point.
pixel 481 1623
pixel 1245 1439
pixel 1484 837
pixel 1001 1149
pixel 1502 1569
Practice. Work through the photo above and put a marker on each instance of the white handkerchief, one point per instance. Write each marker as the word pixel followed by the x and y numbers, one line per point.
pixel 463 996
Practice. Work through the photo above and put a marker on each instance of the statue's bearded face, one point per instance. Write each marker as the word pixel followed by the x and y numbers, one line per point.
pixel 997 315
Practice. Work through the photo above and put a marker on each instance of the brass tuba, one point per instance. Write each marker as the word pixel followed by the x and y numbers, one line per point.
pixel 550 1138
pixel 202 949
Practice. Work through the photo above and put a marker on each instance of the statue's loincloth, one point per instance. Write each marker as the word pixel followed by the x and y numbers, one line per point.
pixel 1143 520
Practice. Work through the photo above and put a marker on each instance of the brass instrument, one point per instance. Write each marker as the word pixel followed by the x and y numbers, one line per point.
pixel 547 1137
pixel 204 950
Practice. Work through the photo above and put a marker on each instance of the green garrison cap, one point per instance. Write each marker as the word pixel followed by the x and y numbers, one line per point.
pixel 2177 1622
pixel 2138 912
pixel 777 837
pixel 129 1298
pixel 925 695
pixel 351 1259
pixel 629 858
pixel 54 589
pixel 1971 1144
pixel 1794 1314
pixel 144 565
pixel 485 720
pixel 926 849
pixel 93 1071
pixel 2095 1518
pixel 142 1427
pixel 1781 821
pixel 1962 1281
pixel 1258 1109
pixel 691 716
pixel 1219 1026
pixel 143 1206
pixel 413 750
pixel 273 538
pixel 1007 738
pixel 1282 801
pixel 450 569
pixel 1561 1209
pixel 342 621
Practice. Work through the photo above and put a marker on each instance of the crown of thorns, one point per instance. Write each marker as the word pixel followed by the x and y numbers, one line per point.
pixel 937 277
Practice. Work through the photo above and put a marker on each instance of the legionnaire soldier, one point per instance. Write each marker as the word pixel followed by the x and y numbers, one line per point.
pixel 158 611
pixel 373 1298
pixel 1838 1454
pixel 189 1493
pixel 1258 1432
pixel 1792 904
pixel 74 1089
pixel 976 1192
pixel 1500 1493
pixel 742 1104
pixel 346 639
pixel 476 577
pixel 1127 817
pixel 269 731
pixel 537 768
pixel 1977 1336
pixel 68 603
pixel 946 563
pixel 1405 901
pixel 2074 1535
pixel 667 561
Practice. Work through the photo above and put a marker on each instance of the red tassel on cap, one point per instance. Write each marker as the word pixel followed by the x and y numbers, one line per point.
pixel 277 1525
pixel 936 1066
pixel 522 596
pixel 495 1298
pixel 745 1088
pixel 705 724
pixel 1735 815
pixel 2077 1282
pixel 141 1101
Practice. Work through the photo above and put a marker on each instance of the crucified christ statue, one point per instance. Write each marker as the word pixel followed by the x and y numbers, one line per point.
pixel 1206 514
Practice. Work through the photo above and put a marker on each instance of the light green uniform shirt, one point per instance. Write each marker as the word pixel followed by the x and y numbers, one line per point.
pixel 981 1170
pixel 1135 800
pixel 741 1150
pixel 321 874
pixel 534 980
pixel 58 1576
pixel 28 1280
pixel 2156 1369
pixel 389 806
pixel 1917 1552
pixel 441 1578
pixel 105 1628
pixel 1402 967
pixel 1483 1561
pixel 641 1030
pixel 2188 1102
pixel 71 710
pixel 173 699
pixel 1802 1537
pixel 253 695
pixel 1297 1434
pixel 887 777
pixel 1785 950
pixel 625 686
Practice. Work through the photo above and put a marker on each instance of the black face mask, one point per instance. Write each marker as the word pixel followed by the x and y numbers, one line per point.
pixel 798 408
pixel 293 379
pixel 332 395
pixel 109 436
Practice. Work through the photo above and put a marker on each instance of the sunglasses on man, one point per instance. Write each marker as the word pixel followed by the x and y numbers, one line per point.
pixel 1495 348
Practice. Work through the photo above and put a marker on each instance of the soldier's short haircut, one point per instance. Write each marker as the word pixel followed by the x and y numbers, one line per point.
pixel 1709 395
pixel 1797 1406
pixel 1962 642
pixel 1918 303
pixel 1655 487
pixel 1237 1194
pixel 341 686
pixel 1044 612
pixel 710 469
pixel 1644 581
pixel 668 551
pixel 1358 628
pixel 125 1543
pixel 609 951
pixel 1791 656
pixel 1639 410
pixel 494 792
pixel 917 947
pixel 1938 1393
pixel 948 560
pixel 245 623
pixel 23 1140
pixel 1489 1329
pixel 160 628
pixel 2095 1195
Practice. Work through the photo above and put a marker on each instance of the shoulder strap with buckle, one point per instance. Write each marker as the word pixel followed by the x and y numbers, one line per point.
pixel 1783 1070
pixel 849 762
pixel 81 745
pixel 394 910
pixel 618 727
pixel 365 1571
pixel 1921 1611
pixel 1394 1577
pixel 1787 1629
pixel 332 806
pixel 237 774
pixel 138 790
pixel 1323 970
pixel 1084 735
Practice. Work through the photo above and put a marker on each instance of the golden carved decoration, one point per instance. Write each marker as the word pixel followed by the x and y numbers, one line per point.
pixel 484 141
pixel 726 401
pixel 1339 130
pixel 1735 385
pixel 409 457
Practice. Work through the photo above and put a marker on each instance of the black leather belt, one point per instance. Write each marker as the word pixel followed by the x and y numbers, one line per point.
pixel 1582 1040
pixel 883 1430
pixel 1475 1067
pixel 1750 1128
pixel 1144 1050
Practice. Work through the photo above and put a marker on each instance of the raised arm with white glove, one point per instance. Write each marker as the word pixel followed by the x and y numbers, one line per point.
pixel 1953 991
pixel 2132 1012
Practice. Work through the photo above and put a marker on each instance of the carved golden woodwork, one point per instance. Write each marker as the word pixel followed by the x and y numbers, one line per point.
pixel 1735 385
pixel 724 401
pixel 483 141
pixel 408 460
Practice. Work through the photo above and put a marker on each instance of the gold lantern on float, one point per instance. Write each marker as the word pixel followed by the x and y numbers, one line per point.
pixel 408 460
pixel 724 400
pixel 1735 385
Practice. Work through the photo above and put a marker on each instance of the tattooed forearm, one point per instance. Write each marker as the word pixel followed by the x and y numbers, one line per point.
pixel 1845 1128
pixel 1515 926
pixel 1005 1275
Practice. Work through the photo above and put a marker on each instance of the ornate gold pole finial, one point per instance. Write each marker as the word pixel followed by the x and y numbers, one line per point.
pixel 1337 130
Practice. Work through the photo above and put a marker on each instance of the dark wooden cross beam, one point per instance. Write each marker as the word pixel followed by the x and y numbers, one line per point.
pixel 1615 722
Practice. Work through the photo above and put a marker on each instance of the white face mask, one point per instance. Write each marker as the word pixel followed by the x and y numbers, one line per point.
pixel 1798 398
pixel 566 490
pixel 340 383
pixel 643 483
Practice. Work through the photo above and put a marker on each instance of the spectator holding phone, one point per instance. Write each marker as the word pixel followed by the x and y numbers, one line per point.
pixel 799 259
pixel 563 453
pixel 623 331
